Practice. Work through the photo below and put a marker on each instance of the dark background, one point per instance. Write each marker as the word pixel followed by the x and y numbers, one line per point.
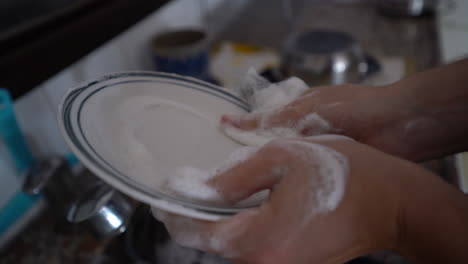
pixel 38 38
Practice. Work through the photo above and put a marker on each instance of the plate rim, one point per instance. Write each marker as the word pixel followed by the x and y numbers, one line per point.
pixel 136 192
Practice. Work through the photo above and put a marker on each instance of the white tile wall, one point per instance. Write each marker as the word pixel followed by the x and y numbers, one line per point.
pixel 36 111
pixel 36 118
pixel 105 59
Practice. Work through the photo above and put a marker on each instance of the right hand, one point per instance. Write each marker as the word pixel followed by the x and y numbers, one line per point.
pixel 382 117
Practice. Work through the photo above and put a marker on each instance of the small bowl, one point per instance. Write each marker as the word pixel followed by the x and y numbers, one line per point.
pixel 324 57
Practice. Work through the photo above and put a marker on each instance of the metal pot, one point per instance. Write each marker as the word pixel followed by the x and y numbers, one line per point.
pixel 322 57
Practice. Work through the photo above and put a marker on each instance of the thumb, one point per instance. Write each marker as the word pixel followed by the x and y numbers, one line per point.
pixel 244 122
pixel 261 171
pixel 287 116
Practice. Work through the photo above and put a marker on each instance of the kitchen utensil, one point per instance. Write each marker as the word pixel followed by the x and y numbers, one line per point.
pixel 104 211
pixel 117 127
pixel 323 57
pixel 182 51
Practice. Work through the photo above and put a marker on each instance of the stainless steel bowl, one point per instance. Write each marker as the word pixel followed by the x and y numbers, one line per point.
pixel 324 57
pixel 102 210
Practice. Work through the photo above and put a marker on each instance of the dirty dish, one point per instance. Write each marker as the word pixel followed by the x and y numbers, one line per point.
pixel 133 129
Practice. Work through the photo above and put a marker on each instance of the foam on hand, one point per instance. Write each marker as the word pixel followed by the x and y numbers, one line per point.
pixel 325 176
pixel 192 183
pixel 266 99
pixel 329 170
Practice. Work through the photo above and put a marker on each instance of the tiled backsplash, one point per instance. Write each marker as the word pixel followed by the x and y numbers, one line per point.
pixel 36 111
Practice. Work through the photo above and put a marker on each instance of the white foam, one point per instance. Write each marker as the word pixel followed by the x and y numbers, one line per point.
pixel 314 124
pixel 277 95
pixel 325 173
pixel 266 100
pixel 263 95
pixel 325 170
pixel 328 173
pixel 190 182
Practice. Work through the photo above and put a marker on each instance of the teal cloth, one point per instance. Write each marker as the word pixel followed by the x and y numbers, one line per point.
pixel 18 205
pixel 11 135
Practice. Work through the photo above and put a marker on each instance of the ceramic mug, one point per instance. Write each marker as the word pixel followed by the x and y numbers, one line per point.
pixel 182 51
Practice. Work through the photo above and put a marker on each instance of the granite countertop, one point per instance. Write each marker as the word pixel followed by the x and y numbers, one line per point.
pixel 50 239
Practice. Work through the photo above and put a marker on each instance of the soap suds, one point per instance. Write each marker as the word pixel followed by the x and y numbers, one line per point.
pixel 191 183
pixel 312 124
pixel 266 100
pixel 262 95
pixel 278 95
pixel 327 169
pixel 324 172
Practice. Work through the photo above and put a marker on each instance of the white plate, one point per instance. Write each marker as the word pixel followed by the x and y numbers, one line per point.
pixel 132 129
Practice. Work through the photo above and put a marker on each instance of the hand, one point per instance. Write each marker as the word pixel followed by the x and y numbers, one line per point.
pixel 377 116
pixel 332 199
pixel 414 119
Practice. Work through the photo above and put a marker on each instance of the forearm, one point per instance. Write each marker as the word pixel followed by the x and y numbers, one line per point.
pixel 434 222
pixel 436 122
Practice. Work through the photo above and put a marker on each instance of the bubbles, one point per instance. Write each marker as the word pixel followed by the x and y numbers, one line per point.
pixel 192 183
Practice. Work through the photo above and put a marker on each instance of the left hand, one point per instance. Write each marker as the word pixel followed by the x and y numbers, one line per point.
pixel 311 216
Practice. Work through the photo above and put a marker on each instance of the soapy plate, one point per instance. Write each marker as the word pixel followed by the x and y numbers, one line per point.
pixel 133 128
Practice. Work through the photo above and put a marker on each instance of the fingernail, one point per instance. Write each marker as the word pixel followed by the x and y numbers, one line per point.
pixel 232 120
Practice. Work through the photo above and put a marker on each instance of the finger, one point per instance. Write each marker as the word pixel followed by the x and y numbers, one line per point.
pixel 261 171
pixel 287 116
pixel 245 122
